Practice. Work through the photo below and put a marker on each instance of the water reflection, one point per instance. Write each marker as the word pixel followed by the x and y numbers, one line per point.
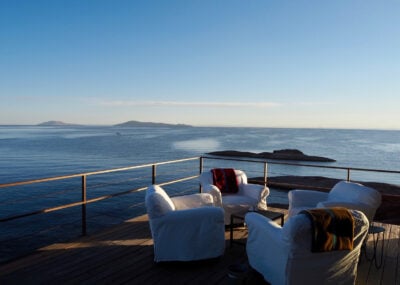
pixel 198 145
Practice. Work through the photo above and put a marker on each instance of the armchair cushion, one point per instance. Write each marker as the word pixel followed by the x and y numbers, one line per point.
pixel 192 201
pixel 355 192
pixel 225 180
pixel 300 199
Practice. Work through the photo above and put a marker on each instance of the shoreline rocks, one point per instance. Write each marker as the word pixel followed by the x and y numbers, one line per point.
pixel 283 154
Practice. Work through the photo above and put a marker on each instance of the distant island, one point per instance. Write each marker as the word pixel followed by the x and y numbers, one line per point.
pixel 283 154
pixel 56 123
pixel 149 124
pixel 126 124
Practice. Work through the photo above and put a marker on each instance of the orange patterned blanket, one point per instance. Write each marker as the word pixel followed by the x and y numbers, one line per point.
pixel 332 229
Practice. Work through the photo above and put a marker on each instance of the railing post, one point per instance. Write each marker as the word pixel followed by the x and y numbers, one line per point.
pixel 200 171
pixel 83 205
pixel 201 165
pixel 348 174
pixel 265 174
pixel 153 175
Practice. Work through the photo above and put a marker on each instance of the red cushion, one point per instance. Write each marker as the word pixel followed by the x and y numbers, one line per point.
pixel 225 180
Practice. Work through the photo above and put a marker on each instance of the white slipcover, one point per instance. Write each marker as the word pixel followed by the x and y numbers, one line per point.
pixel 283 254
pixel 248 196
pixel 186 227
pixel 344 194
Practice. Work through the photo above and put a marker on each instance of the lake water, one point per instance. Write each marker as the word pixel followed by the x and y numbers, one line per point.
pixel 30 152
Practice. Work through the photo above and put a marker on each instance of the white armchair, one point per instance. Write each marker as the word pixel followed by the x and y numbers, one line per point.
pixel 283 254
pixel 248 196
pixel 345 194
pixel 184 228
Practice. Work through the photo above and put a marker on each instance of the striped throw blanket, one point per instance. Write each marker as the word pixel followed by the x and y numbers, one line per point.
pixel 332 229
pixel 225 180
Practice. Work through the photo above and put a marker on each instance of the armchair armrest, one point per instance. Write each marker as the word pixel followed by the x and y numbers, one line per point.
pixel 266 248
pixel 262 227
pixel 258 192
pixel 193 201
pixel 215 192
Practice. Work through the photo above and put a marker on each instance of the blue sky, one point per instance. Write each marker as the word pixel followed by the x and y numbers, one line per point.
pixel 318 64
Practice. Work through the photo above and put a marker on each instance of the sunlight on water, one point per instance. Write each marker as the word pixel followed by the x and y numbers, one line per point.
pixel 198 145
pixel 387 147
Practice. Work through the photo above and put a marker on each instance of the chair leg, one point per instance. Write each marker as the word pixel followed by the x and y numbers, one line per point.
pixel 376 231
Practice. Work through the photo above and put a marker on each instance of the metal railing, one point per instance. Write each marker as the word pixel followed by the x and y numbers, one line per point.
pixel 265 163
pixel 84 191
pixel 84 201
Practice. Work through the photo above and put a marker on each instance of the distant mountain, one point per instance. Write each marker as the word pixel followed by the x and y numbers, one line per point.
pixel 149 124
pixel 56 123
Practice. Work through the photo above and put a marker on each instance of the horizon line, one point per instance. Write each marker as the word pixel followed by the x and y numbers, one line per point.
pixel 193 126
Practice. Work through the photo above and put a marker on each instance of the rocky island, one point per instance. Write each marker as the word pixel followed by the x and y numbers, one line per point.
pixel 56 124
pixel 283 154
pixel 149 124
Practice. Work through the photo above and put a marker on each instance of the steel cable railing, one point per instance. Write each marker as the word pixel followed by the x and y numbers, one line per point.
pixel 83 176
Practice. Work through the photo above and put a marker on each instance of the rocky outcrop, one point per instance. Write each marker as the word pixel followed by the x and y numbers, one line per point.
pixel 56 124
pixel 283 154
pixel 149 124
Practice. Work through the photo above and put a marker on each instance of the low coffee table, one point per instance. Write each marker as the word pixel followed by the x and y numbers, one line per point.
pixel 240 217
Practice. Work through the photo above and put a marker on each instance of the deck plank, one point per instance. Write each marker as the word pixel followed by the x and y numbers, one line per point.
pixel 392 267
pixel 124 255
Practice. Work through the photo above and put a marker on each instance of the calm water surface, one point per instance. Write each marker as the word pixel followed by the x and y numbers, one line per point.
pixel 30 152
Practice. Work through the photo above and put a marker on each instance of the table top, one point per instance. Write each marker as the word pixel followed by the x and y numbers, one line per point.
pixel 375 229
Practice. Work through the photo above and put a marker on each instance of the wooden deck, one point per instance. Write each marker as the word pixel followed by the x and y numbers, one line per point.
pixel 124 255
